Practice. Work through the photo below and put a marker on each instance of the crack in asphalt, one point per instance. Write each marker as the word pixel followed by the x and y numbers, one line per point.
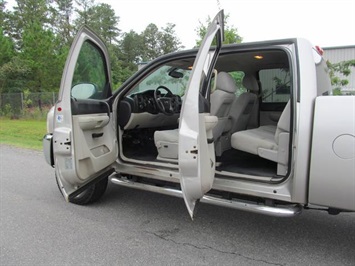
pixel 163 237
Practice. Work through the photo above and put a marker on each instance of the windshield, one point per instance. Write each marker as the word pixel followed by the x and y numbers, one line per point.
pixel 173 78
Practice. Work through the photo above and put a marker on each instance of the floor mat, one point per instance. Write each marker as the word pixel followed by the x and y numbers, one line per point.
pixel 245 163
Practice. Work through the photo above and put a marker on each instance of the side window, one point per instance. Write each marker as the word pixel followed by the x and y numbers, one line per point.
pixel 90 79
pixel 276 85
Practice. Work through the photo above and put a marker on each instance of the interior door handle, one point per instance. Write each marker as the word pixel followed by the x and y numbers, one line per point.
pixel 93 122
pixel 97 135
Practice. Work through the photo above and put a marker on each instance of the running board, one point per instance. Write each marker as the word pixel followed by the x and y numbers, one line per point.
pixel 280 211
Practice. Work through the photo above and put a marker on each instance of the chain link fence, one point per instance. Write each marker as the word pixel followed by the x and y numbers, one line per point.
pixel 33 105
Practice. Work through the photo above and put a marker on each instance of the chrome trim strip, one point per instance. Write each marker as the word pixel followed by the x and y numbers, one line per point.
pixel 279 211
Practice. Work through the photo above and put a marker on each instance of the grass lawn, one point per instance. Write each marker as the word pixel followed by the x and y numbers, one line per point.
pixel 22 133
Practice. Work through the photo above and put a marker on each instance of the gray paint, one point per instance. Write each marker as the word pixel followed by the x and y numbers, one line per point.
pixel 332 170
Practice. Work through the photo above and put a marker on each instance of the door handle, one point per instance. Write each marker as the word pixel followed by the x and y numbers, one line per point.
pixel 97 135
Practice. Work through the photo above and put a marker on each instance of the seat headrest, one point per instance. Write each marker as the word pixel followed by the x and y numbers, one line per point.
pixel 225 82
pixel 250 83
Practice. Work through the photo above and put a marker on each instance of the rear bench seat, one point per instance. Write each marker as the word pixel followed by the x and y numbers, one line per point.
pixel 269 142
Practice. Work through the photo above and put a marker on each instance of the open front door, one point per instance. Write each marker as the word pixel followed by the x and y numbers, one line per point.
pixel 196 147
pixel 84 140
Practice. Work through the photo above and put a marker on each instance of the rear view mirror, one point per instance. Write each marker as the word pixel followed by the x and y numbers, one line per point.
pixel 175 73
pixel 83 91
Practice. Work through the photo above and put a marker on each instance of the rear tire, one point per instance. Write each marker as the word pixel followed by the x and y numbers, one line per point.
pixel 91 194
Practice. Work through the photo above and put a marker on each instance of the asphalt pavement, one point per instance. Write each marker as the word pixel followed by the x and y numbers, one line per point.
pixel 131 227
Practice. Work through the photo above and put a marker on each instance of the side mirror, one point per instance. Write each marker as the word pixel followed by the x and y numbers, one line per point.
pixel 83 91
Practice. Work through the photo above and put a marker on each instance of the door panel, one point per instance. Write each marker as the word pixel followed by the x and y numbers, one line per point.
pixel 84 140
pixel 196 147
pixel 93 143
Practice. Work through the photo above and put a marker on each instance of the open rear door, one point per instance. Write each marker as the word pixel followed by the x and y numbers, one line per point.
pixel 84 140
pixel 196 147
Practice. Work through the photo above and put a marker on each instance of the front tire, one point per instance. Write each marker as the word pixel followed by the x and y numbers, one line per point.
pixel 91 194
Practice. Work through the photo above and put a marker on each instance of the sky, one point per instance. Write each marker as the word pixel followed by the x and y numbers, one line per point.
pixel 326 23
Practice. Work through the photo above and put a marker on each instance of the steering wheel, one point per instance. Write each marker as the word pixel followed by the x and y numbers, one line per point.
pixel 165 100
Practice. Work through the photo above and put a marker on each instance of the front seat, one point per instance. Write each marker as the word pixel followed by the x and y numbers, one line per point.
pixel 221 99
pixel 269 142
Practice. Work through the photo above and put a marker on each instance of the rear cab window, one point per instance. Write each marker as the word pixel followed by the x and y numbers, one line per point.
pixel 276 92
pixel 276 85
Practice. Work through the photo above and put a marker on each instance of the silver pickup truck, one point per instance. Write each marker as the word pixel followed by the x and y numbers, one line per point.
pixel 251 126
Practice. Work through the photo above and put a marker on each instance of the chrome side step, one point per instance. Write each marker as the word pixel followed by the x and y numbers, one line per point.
pixel 278 211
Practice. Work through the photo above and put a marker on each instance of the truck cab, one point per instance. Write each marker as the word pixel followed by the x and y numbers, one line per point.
pixel 251 126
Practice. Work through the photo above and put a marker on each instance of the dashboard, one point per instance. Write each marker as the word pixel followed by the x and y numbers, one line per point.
pixel 144 102
pixel 140 110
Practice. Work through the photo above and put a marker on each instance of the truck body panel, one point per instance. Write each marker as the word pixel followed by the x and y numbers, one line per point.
pixel 332 172
pixel 317 148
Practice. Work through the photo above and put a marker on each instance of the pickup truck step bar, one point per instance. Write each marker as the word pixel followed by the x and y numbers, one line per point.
pixel 278 211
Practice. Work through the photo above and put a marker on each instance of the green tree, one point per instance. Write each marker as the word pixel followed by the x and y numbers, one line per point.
pixel 125 56
pixel 62 27
pixel 40 54
pixel 168 40
pixel 14 75
pixel 100 17
pixel 39 50
pixel 27 13
pixel 131 47
pixel 84 12
pixel 6 48
pixel 2 12
pixel 158 42
pixel 150 47
pixel 6 54
pixel 120 69
pixel 337 72
pixel 35 64
pixel 35 38
pixel 135 48
pixel 104 22
pixel 230 32
pixel 6 19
